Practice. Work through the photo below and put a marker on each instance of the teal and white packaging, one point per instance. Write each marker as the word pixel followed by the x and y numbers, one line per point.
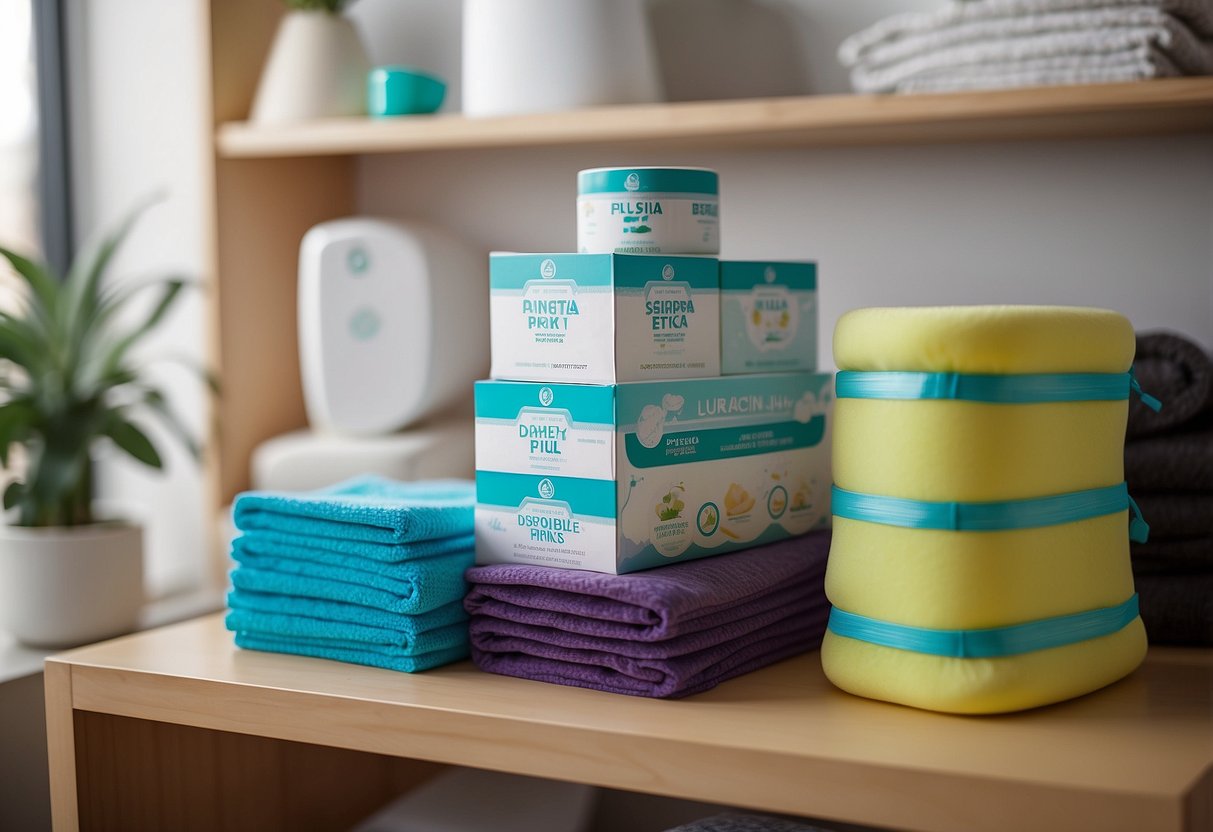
pixel 648 210
pixel 603 318
pixel 624 477
pixel 768 316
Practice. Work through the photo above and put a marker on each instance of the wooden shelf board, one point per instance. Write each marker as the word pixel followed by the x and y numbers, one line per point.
pixel 1136 755
pixel 1148 107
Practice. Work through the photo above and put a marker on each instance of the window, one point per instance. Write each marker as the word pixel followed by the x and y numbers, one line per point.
pixel 19 203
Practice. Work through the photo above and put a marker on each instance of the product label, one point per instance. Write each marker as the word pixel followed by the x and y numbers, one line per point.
pixel 687 469
pixel 553 521
pixel 768 317
pixel 544 429
pixel 548 308
pixel 772 317
pixel 667 315
pixel 713 465
pixel 551 317
pixel 648 223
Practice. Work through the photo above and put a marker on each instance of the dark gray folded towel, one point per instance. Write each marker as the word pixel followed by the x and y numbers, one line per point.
pixel 1171 462
pixel 1175 371
pixel 736 822
pixel 1170 557
pixel 1176 515
pixel 1177 609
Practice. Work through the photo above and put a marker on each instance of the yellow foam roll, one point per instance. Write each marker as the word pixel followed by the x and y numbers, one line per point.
pixel 974 580
pixel 985 339
pixel 982 686
pixel 976 452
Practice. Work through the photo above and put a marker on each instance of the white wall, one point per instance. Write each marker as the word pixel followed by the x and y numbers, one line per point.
pixel 1121 224
pixel 138 129
pixel 1126 224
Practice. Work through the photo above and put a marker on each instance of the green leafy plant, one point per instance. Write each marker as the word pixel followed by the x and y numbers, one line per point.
pixel 68 381
pixel 330 6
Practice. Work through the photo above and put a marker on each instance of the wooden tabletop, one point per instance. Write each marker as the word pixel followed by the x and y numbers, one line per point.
pixel 1135 756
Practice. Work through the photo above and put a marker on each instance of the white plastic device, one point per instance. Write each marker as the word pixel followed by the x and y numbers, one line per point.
pixel 303 460
pixel 393 323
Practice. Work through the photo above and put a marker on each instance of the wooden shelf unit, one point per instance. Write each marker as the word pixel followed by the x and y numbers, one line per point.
pixel 270 185
pixel 1135 756
pixel 1165 106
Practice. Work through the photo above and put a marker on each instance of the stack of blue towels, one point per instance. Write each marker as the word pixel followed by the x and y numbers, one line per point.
pixel 368 571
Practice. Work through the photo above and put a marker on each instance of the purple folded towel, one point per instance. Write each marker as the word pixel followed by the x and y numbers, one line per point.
pixel 656 604
pixel 670 678
pixel 667 632
pixel 488 632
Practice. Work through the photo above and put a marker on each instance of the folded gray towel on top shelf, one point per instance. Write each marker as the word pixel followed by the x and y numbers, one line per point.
pixel 1155 48
pixel 1133 65
pixel 738 822
pixel 1197 15
pixel 986 29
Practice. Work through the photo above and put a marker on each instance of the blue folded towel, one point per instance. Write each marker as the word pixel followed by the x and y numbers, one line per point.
pixel 285 544
pixel 255 550
pixel 353 652
pixel 369 508
pixel 342 633
pixel 410 625
pixel 412 587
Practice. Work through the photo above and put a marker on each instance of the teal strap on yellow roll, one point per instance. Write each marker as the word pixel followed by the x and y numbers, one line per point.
pixel 991 516
pixel 992 389
pixel 988 643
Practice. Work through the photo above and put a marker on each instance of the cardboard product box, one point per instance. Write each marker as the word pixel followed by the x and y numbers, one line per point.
pixel 768 316
pixel 603 318
pixel 625 477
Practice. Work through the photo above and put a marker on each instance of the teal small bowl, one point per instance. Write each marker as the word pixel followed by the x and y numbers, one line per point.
pixel 402 91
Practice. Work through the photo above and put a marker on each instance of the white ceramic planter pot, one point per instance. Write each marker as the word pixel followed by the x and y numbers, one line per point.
pixel 61 587
pixel 530 56
pixel 316 68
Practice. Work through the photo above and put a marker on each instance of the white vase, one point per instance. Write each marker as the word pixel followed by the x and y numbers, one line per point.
pixel 529 56
pixel 61 587
pixel 316 68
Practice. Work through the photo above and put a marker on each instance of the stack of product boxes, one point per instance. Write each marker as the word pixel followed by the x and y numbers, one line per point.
pixel 651 406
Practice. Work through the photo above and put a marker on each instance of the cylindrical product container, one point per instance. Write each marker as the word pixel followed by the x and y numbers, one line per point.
pixel 540 56
pixel 980 559
pixel 648 210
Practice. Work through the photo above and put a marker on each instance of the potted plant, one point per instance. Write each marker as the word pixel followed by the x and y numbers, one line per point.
pixel 316 68
pixel 68 381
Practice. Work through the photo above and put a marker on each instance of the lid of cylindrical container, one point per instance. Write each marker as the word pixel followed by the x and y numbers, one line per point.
pixel 648 180
pixel 984 339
